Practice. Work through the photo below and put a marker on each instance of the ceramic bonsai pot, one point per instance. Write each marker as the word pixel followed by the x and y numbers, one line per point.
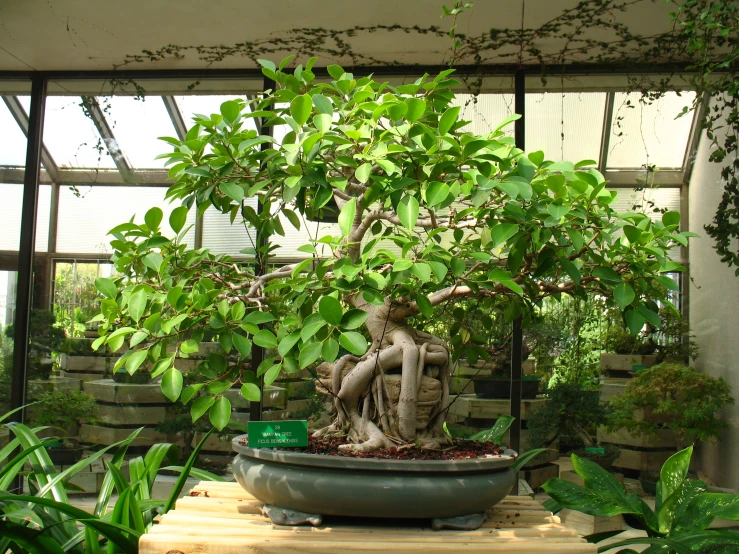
pixel 501 388
pixel 319 485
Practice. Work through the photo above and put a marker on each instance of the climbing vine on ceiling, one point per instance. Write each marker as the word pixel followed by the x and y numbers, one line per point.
pixel 700 45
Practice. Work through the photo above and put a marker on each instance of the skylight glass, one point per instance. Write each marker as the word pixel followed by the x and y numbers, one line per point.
pixel 12 140
pixel 136 126
pixel 71 136
pixel 649 134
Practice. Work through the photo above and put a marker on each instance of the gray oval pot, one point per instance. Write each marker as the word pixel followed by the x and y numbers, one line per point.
pixel 361 487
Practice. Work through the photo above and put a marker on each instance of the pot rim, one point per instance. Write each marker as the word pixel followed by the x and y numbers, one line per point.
pixel 343 462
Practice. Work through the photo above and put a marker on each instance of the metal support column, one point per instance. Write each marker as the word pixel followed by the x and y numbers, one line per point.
pixel 257 352
pixel 517 337
pixel 24 292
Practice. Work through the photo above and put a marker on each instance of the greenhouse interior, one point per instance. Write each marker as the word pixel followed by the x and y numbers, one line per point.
pixel 373 276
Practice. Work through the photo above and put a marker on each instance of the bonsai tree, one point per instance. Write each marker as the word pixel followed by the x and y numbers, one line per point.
pixel 672 396
pixel 428 213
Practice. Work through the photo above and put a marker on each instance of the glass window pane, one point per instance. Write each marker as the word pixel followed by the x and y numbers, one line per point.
pixel 10 222
pixel 644 134
pixel 565 126
pixel 12 140
pixel 649 201
pixel 71 136
pixel 201 104
pixel 136 126
pixel 294 238
pixel 222 237
pixel 84 221
pixel 484 111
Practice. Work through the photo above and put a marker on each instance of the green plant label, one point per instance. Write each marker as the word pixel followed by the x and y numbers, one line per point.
pixel 638 367
pixel 595 450
pixel 277 434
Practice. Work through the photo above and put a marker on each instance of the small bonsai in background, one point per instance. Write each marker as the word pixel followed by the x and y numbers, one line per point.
pixel 673 396
pixel 570 416
pixel 45 339
pixel 675 343
pixel 617 338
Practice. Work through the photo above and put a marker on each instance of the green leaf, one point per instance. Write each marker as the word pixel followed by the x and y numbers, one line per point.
pixel 624 295
pixel 408 211
pixel 634 321
pixel 571 270
pixel 271 374
pixel 448 119
pixel 424 305
pixel 606 274
pixel 353 319
pixel 353 342
pixel 309 354
pixel 300 108
pixel 287 343
pixel 137 305
pixel 220 413
pixel 242 344
pixel 200 406
pixel 671 218
pixel 416 107
pixel 632 233
pixel 230 110
pixel 674 471
pixel 233 191
pixel 436 193
pixel 421 270
pixel 558 211
pixel 153 218
pixel 330 309
pixel 496 432
pixel 524 458
pixel 440 270
pixel 178 218
pixel 265 339
pixel 330 350
pixel 185 473
pixel 396 111
pixel 335 71
pixel 250 392
pixel 502 232
pixel 667 282
pixel 322 122
pixel 107 287
pixel 134 361
pixel 346 217
pixel 323 104
pixel 259 317
pixel 172 384
pixel 363 172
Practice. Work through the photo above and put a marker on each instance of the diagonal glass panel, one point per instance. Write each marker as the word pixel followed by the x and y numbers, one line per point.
pixel 71 136
pixel 136 126
pixel 649 134
pixel 565 126
pixel 12 140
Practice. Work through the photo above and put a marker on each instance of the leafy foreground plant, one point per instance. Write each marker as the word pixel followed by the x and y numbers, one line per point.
pixel 44 521
pixel 683 508
pixel 472 216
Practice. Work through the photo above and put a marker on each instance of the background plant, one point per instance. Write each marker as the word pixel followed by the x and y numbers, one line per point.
pixel 679 522
pixel 675 397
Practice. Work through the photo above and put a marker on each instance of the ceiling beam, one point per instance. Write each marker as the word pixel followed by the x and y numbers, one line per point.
pixel 696 130
pixel 605 137
pixel 630 178
pixel 21 117
pixel 95 112
pixel 176 116
pixel 92 177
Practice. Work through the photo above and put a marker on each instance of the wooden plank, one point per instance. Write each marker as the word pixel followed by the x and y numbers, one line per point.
pixel 107 390
pixel 161 544
pixel 131 415
pixel 221 518
pixel 96 434
pixel 536 477
pixel 642 460
pixel 625 362
pixel 490 408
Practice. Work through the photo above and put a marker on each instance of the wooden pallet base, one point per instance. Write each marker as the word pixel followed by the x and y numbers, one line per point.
pixel 221 518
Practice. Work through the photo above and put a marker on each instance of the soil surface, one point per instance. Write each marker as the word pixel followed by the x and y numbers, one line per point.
pixel 462 450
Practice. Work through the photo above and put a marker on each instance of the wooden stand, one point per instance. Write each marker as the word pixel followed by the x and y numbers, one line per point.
pixel 221 518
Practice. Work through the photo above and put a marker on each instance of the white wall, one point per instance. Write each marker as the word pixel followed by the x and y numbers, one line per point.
pixel 714 314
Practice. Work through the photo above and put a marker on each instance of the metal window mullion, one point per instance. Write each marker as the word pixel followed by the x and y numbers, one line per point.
pixel 605 137
pixel 92 106
pixel 24 290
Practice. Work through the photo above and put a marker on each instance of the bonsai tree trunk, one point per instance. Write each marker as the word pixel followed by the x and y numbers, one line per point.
pixel 377 396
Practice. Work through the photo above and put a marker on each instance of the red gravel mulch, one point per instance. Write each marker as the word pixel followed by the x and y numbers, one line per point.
pixel 462 450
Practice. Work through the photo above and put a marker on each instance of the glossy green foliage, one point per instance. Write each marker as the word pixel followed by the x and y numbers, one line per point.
pixel 468 213
pixel 45 521
pixel 683 509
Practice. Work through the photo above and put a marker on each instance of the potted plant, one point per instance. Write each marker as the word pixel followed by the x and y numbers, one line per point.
pixel 45 339
pixel 569 416
pixel 472 217
pixel 64 411
pixel 672 397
